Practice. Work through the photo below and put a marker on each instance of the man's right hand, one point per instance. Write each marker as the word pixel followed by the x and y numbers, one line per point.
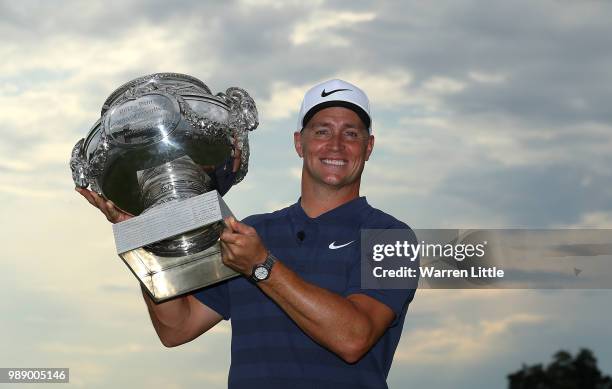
pixel 110 210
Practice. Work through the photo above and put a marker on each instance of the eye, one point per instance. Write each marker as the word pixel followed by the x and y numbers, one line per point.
pixel 321 131
pixel 352 134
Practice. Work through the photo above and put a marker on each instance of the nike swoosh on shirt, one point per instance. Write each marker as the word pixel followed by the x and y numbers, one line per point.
pixel 333 246
pixel 325 94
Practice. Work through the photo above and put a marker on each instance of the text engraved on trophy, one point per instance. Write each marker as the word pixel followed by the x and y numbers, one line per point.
pixel 143 120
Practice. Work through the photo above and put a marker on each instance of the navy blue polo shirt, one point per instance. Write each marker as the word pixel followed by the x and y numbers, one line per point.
pixel 268 349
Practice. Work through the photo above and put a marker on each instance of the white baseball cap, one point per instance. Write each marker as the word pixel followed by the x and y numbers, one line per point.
pixel 335 93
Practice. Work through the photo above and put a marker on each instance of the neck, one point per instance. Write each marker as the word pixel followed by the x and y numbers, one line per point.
pixel 316 200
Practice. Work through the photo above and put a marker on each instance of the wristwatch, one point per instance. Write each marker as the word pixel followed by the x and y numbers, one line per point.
pixel 262 271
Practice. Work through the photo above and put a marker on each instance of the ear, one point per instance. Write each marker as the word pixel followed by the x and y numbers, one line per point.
pixel 297 142
pixel 369 147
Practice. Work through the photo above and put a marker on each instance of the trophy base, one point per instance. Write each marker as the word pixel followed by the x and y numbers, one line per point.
pixel 165 278
pixel 164 274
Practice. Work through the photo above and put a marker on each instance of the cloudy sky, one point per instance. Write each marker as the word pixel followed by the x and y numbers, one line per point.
pixel 486 114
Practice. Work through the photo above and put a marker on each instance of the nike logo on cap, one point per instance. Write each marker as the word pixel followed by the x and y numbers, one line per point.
pixel 325 94
pixel 333 246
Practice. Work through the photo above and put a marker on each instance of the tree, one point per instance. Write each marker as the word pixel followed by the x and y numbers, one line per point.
pixel 564 372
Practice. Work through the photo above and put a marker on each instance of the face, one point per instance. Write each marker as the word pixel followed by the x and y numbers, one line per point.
pixel 334 145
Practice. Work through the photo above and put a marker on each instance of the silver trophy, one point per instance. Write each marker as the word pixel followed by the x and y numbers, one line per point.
pixel 161 139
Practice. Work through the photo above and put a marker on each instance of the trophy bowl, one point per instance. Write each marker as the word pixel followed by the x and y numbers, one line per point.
pixel 163 138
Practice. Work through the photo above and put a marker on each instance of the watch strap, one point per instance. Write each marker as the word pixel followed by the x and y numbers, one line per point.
pixel 267 264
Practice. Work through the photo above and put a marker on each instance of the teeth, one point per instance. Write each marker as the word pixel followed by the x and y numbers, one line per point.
pixel 334 162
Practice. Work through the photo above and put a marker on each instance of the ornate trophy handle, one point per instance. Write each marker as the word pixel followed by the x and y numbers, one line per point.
pixel 243 112
pixel 79 166
pixel 243 118
pixel 84 173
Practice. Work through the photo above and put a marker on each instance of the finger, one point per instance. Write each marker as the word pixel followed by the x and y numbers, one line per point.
pixel 85 193
pixel 236 164
pixel 242 228
pixel 112 207
pixel 118 211
pixel 227 249
pixel 227 255
pixel 97 199
pixel 228 223
pixel 101 204
pixel 113 212
pixel 232 222
pixel 229 237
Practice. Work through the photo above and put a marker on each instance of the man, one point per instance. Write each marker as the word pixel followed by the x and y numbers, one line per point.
pixel 300 318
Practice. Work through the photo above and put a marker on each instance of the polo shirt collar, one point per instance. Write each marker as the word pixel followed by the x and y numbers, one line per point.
pixel 347 211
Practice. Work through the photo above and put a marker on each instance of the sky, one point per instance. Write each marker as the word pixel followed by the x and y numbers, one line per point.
pixel 486 114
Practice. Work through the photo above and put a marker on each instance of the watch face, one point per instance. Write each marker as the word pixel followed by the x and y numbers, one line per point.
pixel 261 273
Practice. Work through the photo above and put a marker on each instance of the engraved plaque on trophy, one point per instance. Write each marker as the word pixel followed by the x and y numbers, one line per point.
pixel 163 150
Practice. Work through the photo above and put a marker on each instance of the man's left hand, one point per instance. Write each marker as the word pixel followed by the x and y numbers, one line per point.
pixel 241 247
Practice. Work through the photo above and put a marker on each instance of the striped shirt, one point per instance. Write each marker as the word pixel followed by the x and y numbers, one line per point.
pixel 268 349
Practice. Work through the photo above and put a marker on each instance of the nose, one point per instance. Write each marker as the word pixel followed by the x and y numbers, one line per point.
pixel 336 142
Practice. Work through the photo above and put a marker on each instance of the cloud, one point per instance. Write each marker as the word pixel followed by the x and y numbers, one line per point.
pixel 596 219
pixel 443 85
pixel 15 166
pixel 462 342
pixel 24 191
pixel 484 115
pixel 322 27
pixel 533 195
pixel 387 89
pixel 215 378
pixel 296 173
pixel 85 373
pixel 97 350
pixel 488 78
pixel 284 100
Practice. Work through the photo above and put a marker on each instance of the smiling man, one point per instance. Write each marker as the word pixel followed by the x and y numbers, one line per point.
pixel 300 318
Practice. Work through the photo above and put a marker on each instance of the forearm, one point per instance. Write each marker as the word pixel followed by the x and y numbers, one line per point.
pixel 331 320
pixel 348 326
pixel 168 318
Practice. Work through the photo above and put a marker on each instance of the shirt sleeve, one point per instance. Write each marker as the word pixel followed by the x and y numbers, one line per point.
pixel 397 299
pixel 217 298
